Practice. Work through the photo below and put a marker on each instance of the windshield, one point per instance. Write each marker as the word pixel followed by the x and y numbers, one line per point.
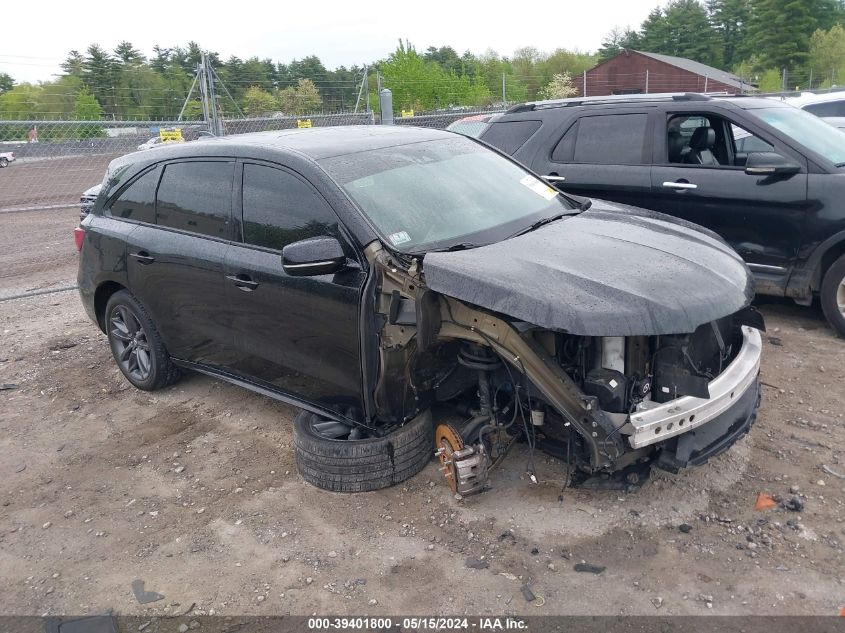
pixel 807 129
pixel 436 194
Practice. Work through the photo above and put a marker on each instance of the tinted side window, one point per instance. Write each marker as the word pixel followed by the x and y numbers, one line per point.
pixel 615 139
pixel 196 197
pixel 565 149
pixel 509 136
pixel 279 208
pixel 831 108
pixel 137 202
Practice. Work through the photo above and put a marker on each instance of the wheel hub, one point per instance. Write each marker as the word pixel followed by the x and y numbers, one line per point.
pixel 448 442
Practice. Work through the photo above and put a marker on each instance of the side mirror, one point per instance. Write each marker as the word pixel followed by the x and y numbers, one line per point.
pixel 769 164
pixel 315 256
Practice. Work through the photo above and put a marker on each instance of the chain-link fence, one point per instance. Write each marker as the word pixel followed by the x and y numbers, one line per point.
pixel 52 163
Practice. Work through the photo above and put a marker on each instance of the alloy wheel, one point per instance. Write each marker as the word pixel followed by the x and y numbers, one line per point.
pixel 840 296
pixel 130 343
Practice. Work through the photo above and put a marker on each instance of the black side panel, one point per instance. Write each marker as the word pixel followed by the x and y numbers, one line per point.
pixel 299 334
pixel 182 289
pixel 103 257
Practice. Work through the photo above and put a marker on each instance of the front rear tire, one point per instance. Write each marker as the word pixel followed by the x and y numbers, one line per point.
pixel 833 296
pixel 136 344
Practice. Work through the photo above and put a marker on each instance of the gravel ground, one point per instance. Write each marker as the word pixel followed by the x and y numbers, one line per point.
pixel 194 491
pixel 49 181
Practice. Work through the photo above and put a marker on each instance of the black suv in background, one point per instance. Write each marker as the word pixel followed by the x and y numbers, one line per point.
pixel 384 277
pixel 768 177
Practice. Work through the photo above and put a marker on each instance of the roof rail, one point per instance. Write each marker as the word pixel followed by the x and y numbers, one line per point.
pixel 577 101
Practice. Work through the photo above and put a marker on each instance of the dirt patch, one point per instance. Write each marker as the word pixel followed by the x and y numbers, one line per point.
pixel 194 490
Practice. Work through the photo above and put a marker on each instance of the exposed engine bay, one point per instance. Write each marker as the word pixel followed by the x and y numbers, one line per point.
pixel 602 404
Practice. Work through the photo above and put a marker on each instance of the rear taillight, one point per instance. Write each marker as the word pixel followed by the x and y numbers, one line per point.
pixel 78 237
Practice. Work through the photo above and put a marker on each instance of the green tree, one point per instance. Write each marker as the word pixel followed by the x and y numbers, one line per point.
pixel 21 102
pixel 563 61
pixel 304 98
pixel 827 52
pixel 6 82
pixel 616 41
pixel 770 81
pixel 418 84
pixel 99 72
pixel 682 29
pixel 128 55
pixel 730 21
pixel 257 101
pixel 86 107
pixel 524 63
pixel 74 64
pixel 781 29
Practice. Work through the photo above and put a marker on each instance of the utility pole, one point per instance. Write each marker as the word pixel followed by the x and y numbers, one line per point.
pixel 215 122
pixel 203 84
pixel 363 89
pixel 204 78
pixel 584 92
pixel 646 80
pixel 504 90
pixel 783 81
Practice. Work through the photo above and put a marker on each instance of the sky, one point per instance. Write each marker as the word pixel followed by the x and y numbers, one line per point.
pixel 33 42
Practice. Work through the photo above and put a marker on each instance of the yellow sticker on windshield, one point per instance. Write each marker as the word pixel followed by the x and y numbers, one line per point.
pixel 538 187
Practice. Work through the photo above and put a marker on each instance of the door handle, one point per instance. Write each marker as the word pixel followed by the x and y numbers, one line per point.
pixel 143 257
pixel 243 282
pixel 680 186
pixel 554 178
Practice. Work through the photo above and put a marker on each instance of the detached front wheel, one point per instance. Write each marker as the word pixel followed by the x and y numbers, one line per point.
pixel 833 296
pixel 332 455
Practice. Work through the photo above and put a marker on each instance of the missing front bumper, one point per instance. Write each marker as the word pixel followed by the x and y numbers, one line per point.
pixel 653 422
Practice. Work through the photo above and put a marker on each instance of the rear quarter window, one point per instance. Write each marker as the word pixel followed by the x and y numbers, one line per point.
pixel 611 139
pixel 509 136
pixel 830 108
pixel 137 201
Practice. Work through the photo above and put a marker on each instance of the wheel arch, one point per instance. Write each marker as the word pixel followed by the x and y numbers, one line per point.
pixel 826 261
pixel 808 279
pixel 102 295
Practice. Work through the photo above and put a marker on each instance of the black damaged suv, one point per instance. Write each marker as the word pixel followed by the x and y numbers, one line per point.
pixel 412 290
pixel 768 177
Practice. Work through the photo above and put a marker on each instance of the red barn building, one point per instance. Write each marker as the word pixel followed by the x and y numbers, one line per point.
pixel 637 72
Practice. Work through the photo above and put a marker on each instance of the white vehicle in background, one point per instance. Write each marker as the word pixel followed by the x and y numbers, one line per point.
pixel 6 158
pixel 829 106
pixel 155 141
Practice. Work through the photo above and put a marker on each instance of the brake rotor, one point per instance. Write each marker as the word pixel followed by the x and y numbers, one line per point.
pixel 448 441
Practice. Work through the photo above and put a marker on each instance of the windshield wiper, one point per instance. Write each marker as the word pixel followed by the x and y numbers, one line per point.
pixel 461 246
pixel 582 204
pixel 839 165
pixel 542 222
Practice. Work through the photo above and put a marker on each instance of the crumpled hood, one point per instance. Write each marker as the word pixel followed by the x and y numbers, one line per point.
pixel 610 271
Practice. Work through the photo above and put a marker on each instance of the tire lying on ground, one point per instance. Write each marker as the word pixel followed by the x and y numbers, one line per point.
pixel 343 465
